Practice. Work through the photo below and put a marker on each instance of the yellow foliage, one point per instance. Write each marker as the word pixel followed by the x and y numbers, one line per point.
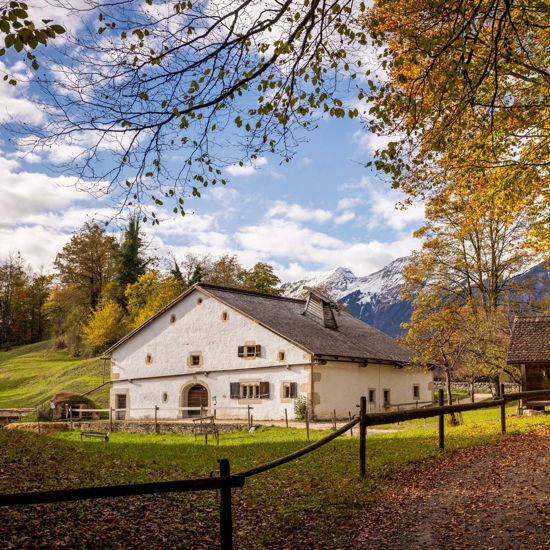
pixel 104 326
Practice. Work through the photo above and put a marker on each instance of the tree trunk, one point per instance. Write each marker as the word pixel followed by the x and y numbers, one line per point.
pixel 472 391
pixel 449 394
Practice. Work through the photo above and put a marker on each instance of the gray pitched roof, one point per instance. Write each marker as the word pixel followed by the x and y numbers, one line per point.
pixel 530 340
pixel 352 338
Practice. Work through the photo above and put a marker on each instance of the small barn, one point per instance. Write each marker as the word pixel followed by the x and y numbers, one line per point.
pixel 62 401
pixel 529 349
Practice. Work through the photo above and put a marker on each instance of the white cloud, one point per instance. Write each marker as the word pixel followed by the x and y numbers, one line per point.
pixel 348 202
pixel 277 239
pixel 298 213
pixel 14 103
pixel 247 169
pixel 370 143
pixel 344 217
pixel 306 161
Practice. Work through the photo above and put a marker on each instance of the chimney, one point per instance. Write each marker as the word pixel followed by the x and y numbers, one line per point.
pixel 320 308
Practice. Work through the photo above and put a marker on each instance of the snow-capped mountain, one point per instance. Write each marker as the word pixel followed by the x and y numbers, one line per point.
pixel 374 298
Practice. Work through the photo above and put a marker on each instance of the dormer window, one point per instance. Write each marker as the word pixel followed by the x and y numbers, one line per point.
pixel 320 308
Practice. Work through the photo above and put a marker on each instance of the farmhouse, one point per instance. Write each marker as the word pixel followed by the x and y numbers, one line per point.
pixel 530 350
pixel 227 348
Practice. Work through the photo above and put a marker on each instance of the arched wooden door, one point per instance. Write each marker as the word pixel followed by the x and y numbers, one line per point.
pixel 197 396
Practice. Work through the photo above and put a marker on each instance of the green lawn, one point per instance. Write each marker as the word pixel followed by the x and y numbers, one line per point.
pixel 30 375
pixel 308 499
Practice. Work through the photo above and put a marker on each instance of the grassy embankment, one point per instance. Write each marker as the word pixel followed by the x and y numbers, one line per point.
pixel 30 375
pixel 308 499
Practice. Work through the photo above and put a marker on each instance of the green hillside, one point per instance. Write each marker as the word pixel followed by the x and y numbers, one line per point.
pixel 30 375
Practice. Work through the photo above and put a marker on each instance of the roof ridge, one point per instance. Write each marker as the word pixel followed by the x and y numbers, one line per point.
pixel 249 292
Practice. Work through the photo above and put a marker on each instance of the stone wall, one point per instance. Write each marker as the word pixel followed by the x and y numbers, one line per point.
pixel 479 387
pixel 149 427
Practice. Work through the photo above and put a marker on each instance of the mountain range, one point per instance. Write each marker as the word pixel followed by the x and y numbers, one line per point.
pixel 376 298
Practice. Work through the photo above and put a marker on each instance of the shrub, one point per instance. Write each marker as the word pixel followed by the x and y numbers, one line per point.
pixel 300 408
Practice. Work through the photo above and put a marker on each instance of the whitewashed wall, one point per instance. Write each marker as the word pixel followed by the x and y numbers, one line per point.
pixel 199 328
pixel 340 386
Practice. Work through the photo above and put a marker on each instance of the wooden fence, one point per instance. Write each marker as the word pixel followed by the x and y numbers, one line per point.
pixel 227 481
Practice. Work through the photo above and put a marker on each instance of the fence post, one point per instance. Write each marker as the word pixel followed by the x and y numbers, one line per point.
pixel 248 416
pixel 362 435
pixel 441 423
pixel 307 424
pixel 286 418
pixel 334 419
pixel 502 410
pixel 71 417
pixel 351 429
pixel 226 522
pixel 156 419
pixel 111 419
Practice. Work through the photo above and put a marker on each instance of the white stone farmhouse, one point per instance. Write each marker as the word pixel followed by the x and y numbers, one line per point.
pixel 227 348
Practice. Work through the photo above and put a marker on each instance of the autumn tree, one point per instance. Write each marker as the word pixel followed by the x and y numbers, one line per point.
pixel 87 263
pixel 225 271
pixel 261 279
pixel 149 295
pixel 104 326
pixel 465 91
pixel 466 276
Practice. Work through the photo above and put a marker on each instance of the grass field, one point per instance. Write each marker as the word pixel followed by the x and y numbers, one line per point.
pixel 315 498
pixel 30 375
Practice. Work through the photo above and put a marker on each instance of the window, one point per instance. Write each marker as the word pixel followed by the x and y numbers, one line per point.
pixel 289 390
pixel 172 318
pixel 416 391
pixel 281 356
pixel 372 396
pixel 194 359
pixel 249 390
pixel 386 397
pixel 148 359
pixel 164 397
pixel 249 351
pixel 199 301
pixel 225 316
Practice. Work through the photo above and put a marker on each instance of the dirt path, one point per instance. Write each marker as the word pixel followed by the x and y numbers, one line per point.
pixel 494 497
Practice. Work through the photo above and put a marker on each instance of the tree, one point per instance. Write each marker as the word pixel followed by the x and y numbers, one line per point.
pixel 466 90
pixel 87 263
pixel 131 261
pixel 261 279
pixel 11 281
pixel 197 77
pixel 149 295
pixel 465 289
pixel 104 326
pixel 22 34
pixel 226 271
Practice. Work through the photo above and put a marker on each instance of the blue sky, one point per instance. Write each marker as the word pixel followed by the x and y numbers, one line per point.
pixel 321 211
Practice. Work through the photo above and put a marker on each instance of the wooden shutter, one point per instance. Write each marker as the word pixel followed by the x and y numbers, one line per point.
pixel 258 351
pixel 234 390
pixel 264 389
pixel 294 389
pixel 240 351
